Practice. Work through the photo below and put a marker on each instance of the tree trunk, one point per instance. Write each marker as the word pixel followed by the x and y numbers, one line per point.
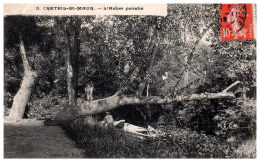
pixel 115 101
pixel 70 84
pixel 73 45
pixel 186 73
pixel 147 80
pixel 22 96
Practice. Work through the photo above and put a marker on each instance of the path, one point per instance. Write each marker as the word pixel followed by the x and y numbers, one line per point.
pixel 38 142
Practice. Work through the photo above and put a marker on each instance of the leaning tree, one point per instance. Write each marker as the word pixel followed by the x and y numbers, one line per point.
pixel 21 33
pixel 130 49
pixel 165 36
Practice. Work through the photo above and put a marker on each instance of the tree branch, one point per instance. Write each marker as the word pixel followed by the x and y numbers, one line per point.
pixel 191 54
pixel 115 101
pixel 150 67
pixel 231 86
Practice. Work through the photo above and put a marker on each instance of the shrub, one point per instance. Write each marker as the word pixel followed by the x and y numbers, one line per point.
pixel 239 120
pixel 222 117
pixel 100 142
pixel 46 107
pixel 200 145
pixel 246 150
pixel 8 99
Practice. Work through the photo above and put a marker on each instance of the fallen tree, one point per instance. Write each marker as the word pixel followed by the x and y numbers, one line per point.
pixel 115 101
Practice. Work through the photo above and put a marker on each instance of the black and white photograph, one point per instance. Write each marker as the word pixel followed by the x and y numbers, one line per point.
pixel 173 86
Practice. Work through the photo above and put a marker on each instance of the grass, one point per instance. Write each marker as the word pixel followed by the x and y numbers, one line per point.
pixel 97 142
pixel 38 142
pixel 91 141
pixel 246 149
pixel 100 142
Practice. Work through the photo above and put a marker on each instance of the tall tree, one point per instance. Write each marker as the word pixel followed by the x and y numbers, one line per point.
pixel 17 37
pixel 146 46
pixel 22 96
pixel 176 52
pixel 72 30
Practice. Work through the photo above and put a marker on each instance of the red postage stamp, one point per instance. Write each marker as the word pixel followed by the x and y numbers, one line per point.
pixel 237 21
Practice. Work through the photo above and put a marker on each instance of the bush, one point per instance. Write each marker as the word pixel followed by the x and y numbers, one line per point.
pixel 8 100
pixel 239 120
pixel 222 117
pixel 97 141
pixel 100 142
pixel 246 150
pixel 47 107
pixel 198 145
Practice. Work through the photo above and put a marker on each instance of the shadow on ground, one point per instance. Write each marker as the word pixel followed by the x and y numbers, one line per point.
pixel 38 142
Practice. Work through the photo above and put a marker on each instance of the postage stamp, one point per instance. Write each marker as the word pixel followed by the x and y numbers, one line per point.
pixel 237 21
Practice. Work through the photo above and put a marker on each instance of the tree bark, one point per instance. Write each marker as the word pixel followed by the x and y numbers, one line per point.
pixel 73 45
pixel 115 101
pixel 22 96
pixel 149 71
pixel 186 73
pixel 70 84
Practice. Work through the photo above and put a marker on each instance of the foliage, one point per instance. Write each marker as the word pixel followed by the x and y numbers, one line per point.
pixel 223 118
pixel 46 107
pixel 8 99
pixel 238 121
pixel 114 143
pixel 17 27
pixel 246 150
pixel 189 49
pixel 111 43
pixel 12 77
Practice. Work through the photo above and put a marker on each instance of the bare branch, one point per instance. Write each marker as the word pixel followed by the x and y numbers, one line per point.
pixel 231 86
pixel 191 54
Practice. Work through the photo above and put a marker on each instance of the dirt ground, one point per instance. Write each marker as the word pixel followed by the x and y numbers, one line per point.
pixel 38 142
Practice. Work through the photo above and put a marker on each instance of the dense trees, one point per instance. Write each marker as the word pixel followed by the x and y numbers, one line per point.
pixel 126 56
pixel 16 31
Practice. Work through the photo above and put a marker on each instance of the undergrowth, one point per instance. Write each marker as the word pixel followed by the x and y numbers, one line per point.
pixel 100 142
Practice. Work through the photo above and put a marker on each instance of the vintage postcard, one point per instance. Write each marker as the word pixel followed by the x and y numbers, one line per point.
pixel 129 81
